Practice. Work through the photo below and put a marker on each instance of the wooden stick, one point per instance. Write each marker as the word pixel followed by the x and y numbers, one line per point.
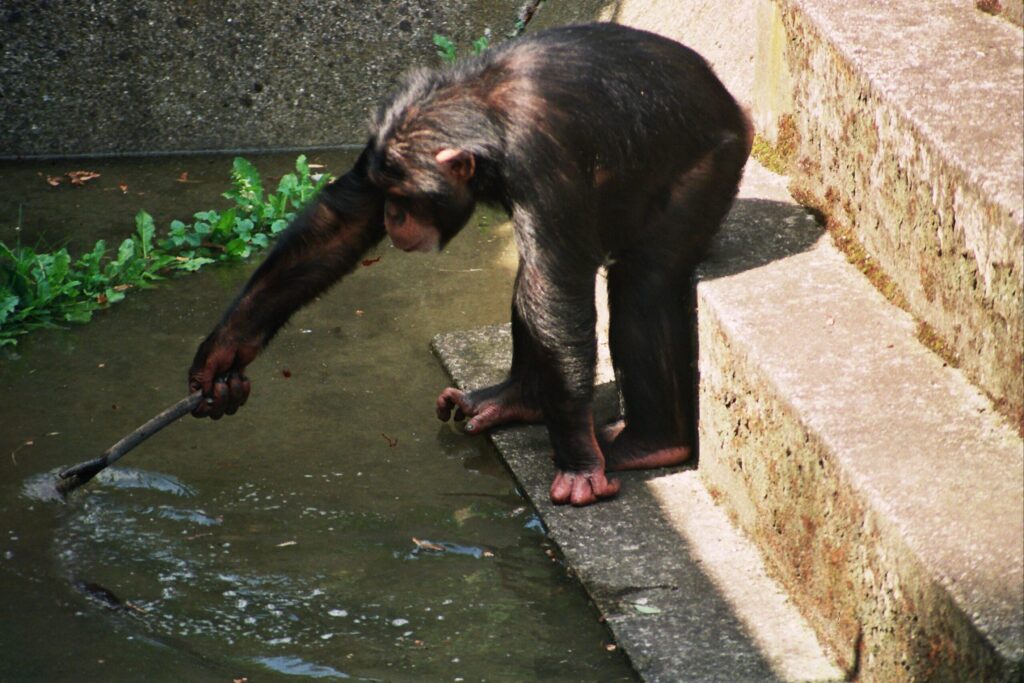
pixel 77 475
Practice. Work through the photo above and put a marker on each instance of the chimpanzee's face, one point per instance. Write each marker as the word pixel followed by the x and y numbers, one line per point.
pixel 410 225
pixel 427 204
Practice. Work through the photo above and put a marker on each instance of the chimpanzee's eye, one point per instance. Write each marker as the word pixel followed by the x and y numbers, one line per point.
pixel 394 212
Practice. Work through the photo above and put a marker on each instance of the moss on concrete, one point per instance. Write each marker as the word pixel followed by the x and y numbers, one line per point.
pixel 778 156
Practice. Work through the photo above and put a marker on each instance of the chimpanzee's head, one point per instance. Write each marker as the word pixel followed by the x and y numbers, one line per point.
pixel 428 198
pixel 420 158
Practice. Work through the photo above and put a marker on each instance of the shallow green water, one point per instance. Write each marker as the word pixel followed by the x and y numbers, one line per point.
pixel 332 529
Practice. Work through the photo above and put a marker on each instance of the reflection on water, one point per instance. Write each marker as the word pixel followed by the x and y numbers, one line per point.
pixel 294 666
pixel 332 529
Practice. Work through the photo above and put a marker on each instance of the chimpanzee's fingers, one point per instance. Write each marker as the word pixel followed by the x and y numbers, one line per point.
pixel 237 393
pixel 220 399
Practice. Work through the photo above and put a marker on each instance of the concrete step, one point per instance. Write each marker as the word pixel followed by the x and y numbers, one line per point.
pixel 685 594
pixel 903 122
pixel 881 487
pixel 908 127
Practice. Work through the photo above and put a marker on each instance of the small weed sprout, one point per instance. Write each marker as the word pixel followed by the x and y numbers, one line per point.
pixel 448 52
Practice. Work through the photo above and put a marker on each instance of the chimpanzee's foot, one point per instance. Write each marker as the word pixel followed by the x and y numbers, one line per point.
pixel 623 451
pixel 486 408
pixel 582 488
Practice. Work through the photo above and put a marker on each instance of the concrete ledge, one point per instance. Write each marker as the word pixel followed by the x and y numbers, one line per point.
pixel 884 491
pixel 911 134
pixel 685 595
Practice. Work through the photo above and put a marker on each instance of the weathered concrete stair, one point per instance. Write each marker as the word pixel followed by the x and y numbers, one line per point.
pixel 910 131
pixel 878 483
pixel 882 488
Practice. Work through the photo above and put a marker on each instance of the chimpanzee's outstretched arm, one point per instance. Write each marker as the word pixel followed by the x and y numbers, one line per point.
pixel 322 244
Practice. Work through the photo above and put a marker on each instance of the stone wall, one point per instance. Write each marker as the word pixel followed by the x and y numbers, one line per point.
pixel 110 77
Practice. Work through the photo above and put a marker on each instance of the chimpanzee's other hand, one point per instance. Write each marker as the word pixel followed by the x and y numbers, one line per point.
pixel 218 370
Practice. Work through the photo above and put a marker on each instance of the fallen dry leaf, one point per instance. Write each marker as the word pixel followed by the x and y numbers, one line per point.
pixel 183 178
pixel 81 177
pixel 53 181
pixel 287 544
pixel 371 261
pixel 123 187
pixel 391 442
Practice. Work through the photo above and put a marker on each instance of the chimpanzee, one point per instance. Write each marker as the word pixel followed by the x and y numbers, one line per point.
pixel 608 146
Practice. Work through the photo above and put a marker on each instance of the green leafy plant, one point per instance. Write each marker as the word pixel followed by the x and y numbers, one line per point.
pixel 49 289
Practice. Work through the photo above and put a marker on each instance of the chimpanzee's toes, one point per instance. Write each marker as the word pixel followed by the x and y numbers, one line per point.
pixel 487 417
pixel 582 488
pixel 453 399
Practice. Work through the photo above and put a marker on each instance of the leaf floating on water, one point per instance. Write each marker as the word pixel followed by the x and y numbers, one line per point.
pixel 427 545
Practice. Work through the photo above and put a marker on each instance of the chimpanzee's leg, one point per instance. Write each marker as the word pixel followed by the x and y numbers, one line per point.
pixel 514 400
pixel 651 348
pixel 650 301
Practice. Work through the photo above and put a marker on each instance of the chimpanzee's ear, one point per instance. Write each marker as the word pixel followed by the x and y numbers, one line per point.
pixel 457 163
